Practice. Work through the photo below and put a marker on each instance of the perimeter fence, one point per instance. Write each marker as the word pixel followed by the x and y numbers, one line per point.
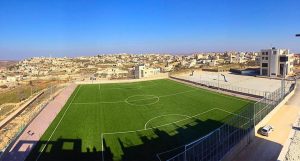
pixel 229 87
pixel 235 131
pixel 12 130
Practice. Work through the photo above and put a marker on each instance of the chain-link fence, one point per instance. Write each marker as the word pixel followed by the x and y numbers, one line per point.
pixel 218 143
pixel 264 106
pixel 228 87
pixel 12 130
pixel 225 87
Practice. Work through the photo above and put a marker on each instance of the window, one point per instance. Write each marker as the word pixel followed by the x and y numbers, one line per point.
pixel 264 64
pixel 284 59
pixel 266 58
pixel 274 52
pixel 264 72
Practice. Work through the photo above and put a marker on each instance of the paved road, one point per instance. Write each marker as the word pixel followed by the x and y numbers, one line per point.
pixel 268 148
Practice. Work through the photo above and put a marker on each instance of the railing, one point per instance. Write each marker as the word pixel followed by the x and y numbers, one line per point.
pixel 226 87
pixel 215 145
pixel 17 130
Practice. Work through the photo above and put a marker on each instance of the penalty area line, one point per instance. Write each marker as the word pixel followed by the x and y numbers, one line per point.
pixel 133 131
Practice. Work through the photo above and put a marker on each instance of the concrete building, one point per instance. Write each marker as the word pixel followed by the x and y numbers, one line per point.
pixel 272 62
pixel 141 71
pixel 112 73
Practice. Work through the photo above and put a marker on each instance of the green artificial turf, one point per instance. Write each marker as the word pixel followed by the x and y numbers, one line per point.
pixel 133 121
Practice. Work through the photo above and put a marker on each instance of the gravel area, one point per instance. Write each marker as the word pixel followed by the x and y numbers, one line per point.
pixel 237 81
pixel 293 153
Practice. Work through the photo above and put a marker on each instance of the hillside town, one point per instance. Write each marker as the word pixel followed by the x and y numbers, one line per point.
pixel 127 66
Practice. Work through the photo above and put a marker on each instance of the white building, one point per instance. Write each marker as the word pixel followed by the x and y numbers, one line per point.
pixel 272 62
pixel 112 73
pixel 141 71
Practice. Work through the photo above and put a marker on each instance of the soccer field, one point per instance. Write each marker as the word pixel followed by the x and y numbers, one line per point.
pixel 133 121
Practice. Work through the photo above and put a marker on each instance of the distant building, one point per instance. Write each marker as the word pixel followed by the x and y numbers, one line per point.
pixel 272 62
pixel 13 78
pixel 297 59
pixel 112 73
pixel 141 71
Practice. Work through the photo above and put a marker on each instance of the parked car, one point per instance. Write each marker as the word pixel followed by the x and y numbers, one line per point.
pixel 266 130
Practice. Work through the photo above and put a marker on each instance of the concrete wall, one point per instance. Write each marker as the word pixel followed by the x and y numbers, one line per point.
pixel 105 81
pixel 274 111
pixel 237 148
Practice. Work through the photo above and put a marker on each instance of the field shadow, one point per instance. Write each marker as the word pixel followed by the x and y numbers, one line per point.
pixel 147 149
pixel 59 150
pixel 71 149
pixel 150 147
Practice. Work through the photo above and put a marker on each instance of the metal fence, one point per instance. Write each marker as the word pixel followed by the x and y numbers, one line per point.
pixel 228 87
pixel 217 144
pixel 16 129
pixel 225 87
pixel 231 88
pixel 264 106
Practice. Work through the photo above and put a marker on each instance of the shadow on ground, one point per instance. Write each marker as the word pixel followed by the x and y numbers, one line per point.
pixel 259 149
pixel 71 149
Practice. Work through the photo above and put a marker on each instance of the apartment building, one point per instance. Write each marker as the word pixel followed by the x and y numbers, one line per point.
pixel 272 62
pixel 141 71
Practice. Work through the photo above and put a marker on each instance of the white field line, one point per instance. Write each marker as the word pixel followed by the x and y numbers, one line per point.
pixel 145 127
pixel 133 131
pixel 99 90
pixel 232 113
pixel 131 102
pixel 168 95
pixel 137 83
pixel 195 142
pixel 213 92
pixel 57 124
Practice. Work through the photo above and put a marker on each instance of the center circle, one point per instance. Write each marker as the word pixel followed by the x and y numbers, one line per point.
pixel 141 100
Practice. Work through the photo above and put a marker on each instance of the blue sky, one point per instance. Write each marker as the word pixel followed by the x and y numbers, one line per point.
pixel 89 27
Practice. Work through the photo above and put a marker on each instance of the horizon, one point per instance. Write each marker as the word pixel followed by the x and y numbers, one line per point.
pixel 76 28
pixel 177 54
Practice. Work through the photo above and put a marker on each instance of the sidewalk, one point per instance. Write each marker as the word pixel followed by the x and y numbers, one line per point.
pixel 268 148
pixel 21 148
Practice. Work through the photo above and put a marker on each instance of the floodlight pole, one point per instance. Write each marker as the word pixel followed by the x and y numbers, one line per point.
pixel 218 79
pixel 283 81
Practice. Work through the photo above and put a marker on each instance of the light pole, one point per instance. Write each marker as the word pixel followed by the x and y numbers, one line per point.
pixel 218 79
pixel 283 81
